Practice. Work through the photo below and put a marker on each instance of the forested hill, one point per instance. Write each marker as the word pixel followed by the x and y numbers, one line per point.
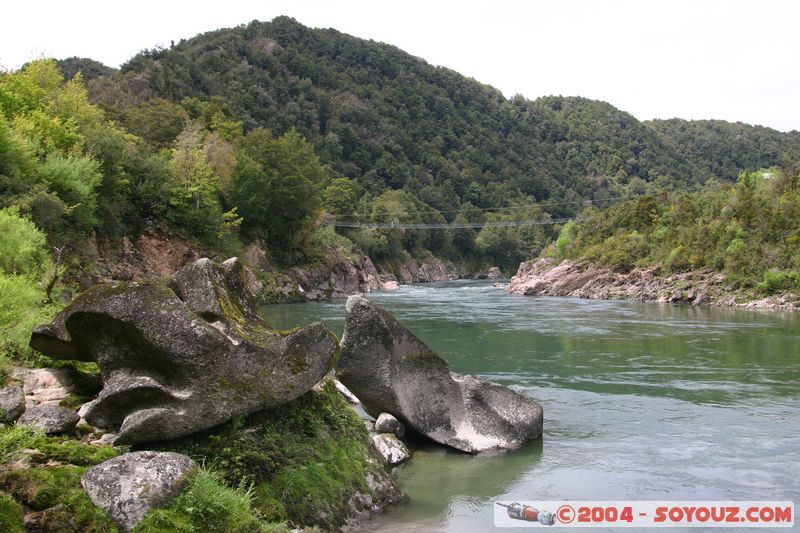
pixel 390 120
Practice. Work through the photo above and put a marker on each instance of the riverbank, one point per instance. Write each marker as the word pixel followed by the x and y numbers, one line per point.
pixel 583 279
pixel 341 270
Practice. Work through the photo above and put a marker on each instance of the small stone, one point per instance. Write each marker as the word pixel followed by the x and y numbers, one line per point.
pixel 51 419
pixel 390 448
pixel 128 486
pixel 12 403
pixel 386 423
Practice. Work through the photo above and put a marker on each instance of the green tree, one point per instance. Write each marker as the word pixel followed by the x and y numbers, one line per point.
pixel 276 186
pixel 22 245
pixel 341 198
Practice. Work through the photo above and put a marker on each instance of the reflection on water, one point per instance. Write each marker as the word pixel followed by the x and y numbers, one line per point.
pixel 641 401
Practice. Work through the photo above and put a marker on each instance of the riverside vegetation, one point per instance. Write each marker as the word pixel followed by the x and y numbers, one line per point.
pixel 256 134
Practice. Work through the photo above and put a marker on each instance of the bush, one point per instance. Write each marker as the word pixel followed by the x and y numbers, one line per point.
pixel 21 308
pixel 777 281
pixel 22 245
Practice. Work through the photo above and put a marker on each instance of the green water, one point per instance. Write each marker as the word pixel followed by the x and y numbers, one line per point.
pixel 641 401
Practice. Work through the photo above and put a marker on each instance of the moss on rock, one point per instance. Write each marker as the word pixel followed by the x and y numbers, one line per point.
pixel 304 460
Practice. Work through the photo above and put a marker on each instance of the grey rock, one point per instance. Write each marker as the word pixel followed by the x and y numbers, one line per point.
pixel 48 386
pixel 12 403
pixel 386 423
pixel 391 371
pixel 390 448
pixel 51 419
pixel 128 486
pixel 185 356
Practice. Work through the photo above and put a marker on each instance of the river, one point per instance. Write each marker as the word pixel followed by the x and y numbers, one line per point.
pixel 642 401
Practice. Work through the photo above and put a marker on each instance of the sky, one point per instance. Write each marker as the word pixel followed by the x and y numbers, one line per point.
pixel 736 60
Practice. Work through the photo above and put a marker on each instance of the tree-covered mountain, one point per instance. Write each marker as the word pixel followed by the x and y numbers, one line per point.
pixel 255 132
pixel 391 120
pixel 724 149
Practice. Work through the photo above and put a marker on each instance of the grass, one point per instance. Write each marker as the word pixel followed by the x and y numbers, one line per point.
pixel 208 504
pixel 304 460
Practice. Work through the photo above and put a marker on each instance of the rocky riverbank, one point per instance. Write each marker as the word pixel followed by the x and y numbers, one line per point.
pixel 582 279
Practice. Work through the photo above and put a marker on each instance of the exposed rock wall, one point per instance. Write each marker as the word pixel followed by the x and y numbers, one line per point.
pixel 582 279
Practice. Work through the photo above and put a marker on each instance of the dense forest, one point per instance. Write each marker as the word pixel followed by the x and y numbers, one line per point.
pixel 750 230
pixel 267 130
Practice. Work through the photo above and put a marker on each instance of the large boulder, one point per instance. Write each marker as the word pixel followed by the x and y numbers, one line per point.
pixel 186 355
pixel 51 419
pixel 128 486
pixel 392 371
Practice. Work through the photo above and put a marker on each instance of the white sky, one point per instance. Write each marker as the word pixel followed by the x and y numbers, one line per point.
pixel 737 60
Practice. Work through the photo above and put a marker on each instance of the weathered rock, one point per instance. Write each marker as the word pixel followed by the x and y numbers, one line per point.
pixel 51 419
pixel 128 486
pixel 386 423
pixel 491 273
pixel 430 269
pixel 390 285
pixel 339 277
pixel 392 371
pixel 179 358
pixel 390 448
pixel 48 386
pixel 12 403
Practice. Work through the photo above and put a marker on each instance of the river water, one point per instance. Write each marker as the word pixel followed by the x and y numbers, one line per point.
pixel 642 401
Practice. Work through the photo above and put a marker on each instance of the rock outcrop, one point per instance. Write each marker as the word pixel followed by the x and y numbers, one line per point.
pixel 429 269
pixel 582 279
pixel 392 371
pixel 12 404
pixel 184 356
pixel 390 448
pixel 128 486
pixel 45 386
pixel 51 419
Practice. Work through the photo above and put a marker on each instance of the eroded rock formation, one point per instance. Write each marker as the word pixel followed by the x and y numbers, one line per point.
pixel 392 371
pixel 186 355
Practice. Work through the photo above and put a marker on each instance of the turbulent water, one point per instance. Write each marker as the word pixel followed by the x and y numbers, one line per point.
pixel 641 401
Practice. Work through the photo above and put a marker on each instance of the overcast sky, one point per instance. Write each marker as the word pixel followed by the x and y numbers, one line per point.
pixel 735 60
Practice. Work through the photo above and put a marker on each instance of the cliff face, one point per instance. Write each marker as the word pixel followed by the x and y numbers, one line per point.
pixel 582 279
pixel 159 253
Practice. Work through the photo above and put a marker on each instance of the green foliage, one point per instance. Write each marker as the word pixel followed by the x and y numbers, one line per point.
pixel 22 245
pixel 207 504
pixel 17 437
pixel 74 180
pixel 775 281
pixel 341 198
pixel 565 238
pixel 10 515
pixel 62 449
pixel 749 230
pixel 21 308
pixel 276 186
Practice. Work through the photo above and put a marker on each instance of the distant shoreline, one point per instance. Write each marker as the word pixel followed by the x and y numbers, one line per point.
pixel 583 279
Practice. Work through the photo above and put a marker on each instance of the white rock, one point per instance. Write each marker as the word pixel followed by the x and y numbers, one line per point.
pixel 390 448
